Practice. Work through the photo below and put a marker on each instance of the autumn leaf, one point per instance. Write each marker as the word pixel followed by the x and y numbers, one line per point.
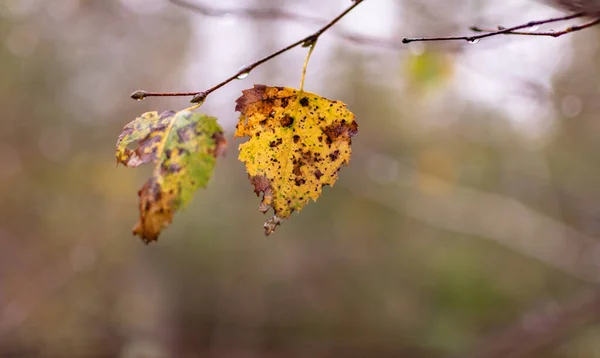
pixel 298 142
pixel 184 146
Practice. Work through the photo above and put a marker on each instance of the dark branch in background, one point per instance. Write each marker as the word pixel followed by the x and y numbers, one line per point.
pixel 513 30
pixel 263 14
pixel 539 330
pixel 277 14
pixel 568 30
pixel 201 96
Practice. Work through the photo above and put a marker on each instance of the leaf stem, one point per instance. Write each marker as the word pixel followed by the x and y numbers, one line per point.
pixel 200 96
pixel 310 51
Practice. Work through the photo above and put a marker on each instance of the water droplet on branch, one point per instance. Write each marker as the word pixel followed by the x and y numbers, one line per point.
pixel 243 72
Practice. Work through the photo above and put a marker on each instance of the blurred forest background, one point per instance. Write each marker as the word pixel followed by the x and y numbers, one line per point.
pixel 466 225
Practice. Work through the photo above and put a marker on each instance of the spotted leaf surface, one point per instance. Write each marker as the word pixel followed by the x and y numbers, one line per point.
pixel 184 146
pixel 297 143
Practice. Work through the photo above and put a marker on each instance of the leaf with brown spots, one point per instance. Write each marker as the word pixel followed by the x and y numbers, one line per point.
pixel 298 141
pixel 184 146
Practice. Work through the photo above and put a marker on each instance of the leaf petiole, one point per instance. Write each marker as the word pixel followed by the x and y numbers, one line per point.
pixel 312 45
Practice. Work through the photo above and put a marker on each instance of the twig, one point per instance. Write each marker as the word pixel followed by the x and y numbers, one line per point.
pixel 264 14
pixel 502 31
pixel 277 14
pixel 540 329
pixel 568 30
pixel 472 212
pixel 199 97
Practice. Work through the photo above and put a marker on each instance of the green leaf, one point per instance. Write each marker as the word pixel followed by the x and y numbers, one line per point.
pixel 184 146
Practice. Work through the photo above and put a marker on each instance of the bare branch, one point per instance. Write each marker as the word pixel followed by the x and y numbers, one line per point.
pixel 540 328
pixel 201 95
pixel 509 30
pixel 263 14
pixel 278 14
pixel 473 212
pixel 568 30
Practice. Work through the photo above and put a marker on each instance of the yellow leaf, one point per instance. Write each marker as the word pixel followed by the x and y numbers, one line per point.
pixel 184 147
pixel 298 142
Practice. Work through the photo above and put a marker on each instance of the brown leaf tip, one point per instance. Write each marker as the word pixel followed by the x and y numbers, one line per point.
pixel 155 212
pixel 271 224
pixel 250 96
pixel 261 183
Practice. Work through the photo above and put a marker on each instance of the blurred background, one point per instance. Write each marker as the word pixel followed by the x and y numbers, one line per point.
pixel 466 225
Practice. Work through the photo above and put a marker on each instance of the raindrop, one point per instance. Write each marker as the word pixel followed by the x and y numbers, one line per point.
pixel 243 72
pixel 472 41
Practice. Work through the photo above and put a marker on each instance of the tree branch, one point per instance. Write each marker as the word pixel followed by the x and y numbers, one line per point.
pixel 472 212
pixel 199 97
pixel 277 14
pixel 568 30
pixel 540 329
pixel 511 30
pixel 263 14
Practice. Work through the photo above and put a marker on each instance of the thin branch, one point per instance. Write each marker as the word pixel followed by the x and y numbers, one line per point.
pixel 263 14
pixel 201 96
pixel 501 31
pixel 540 329
pixel 140 95
pixel 472 212
pixel 568 30
pixel 277 14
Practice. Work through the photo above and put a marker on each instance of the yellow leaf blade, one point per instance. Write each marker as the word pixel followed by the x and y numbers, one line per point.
pixel 298 141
